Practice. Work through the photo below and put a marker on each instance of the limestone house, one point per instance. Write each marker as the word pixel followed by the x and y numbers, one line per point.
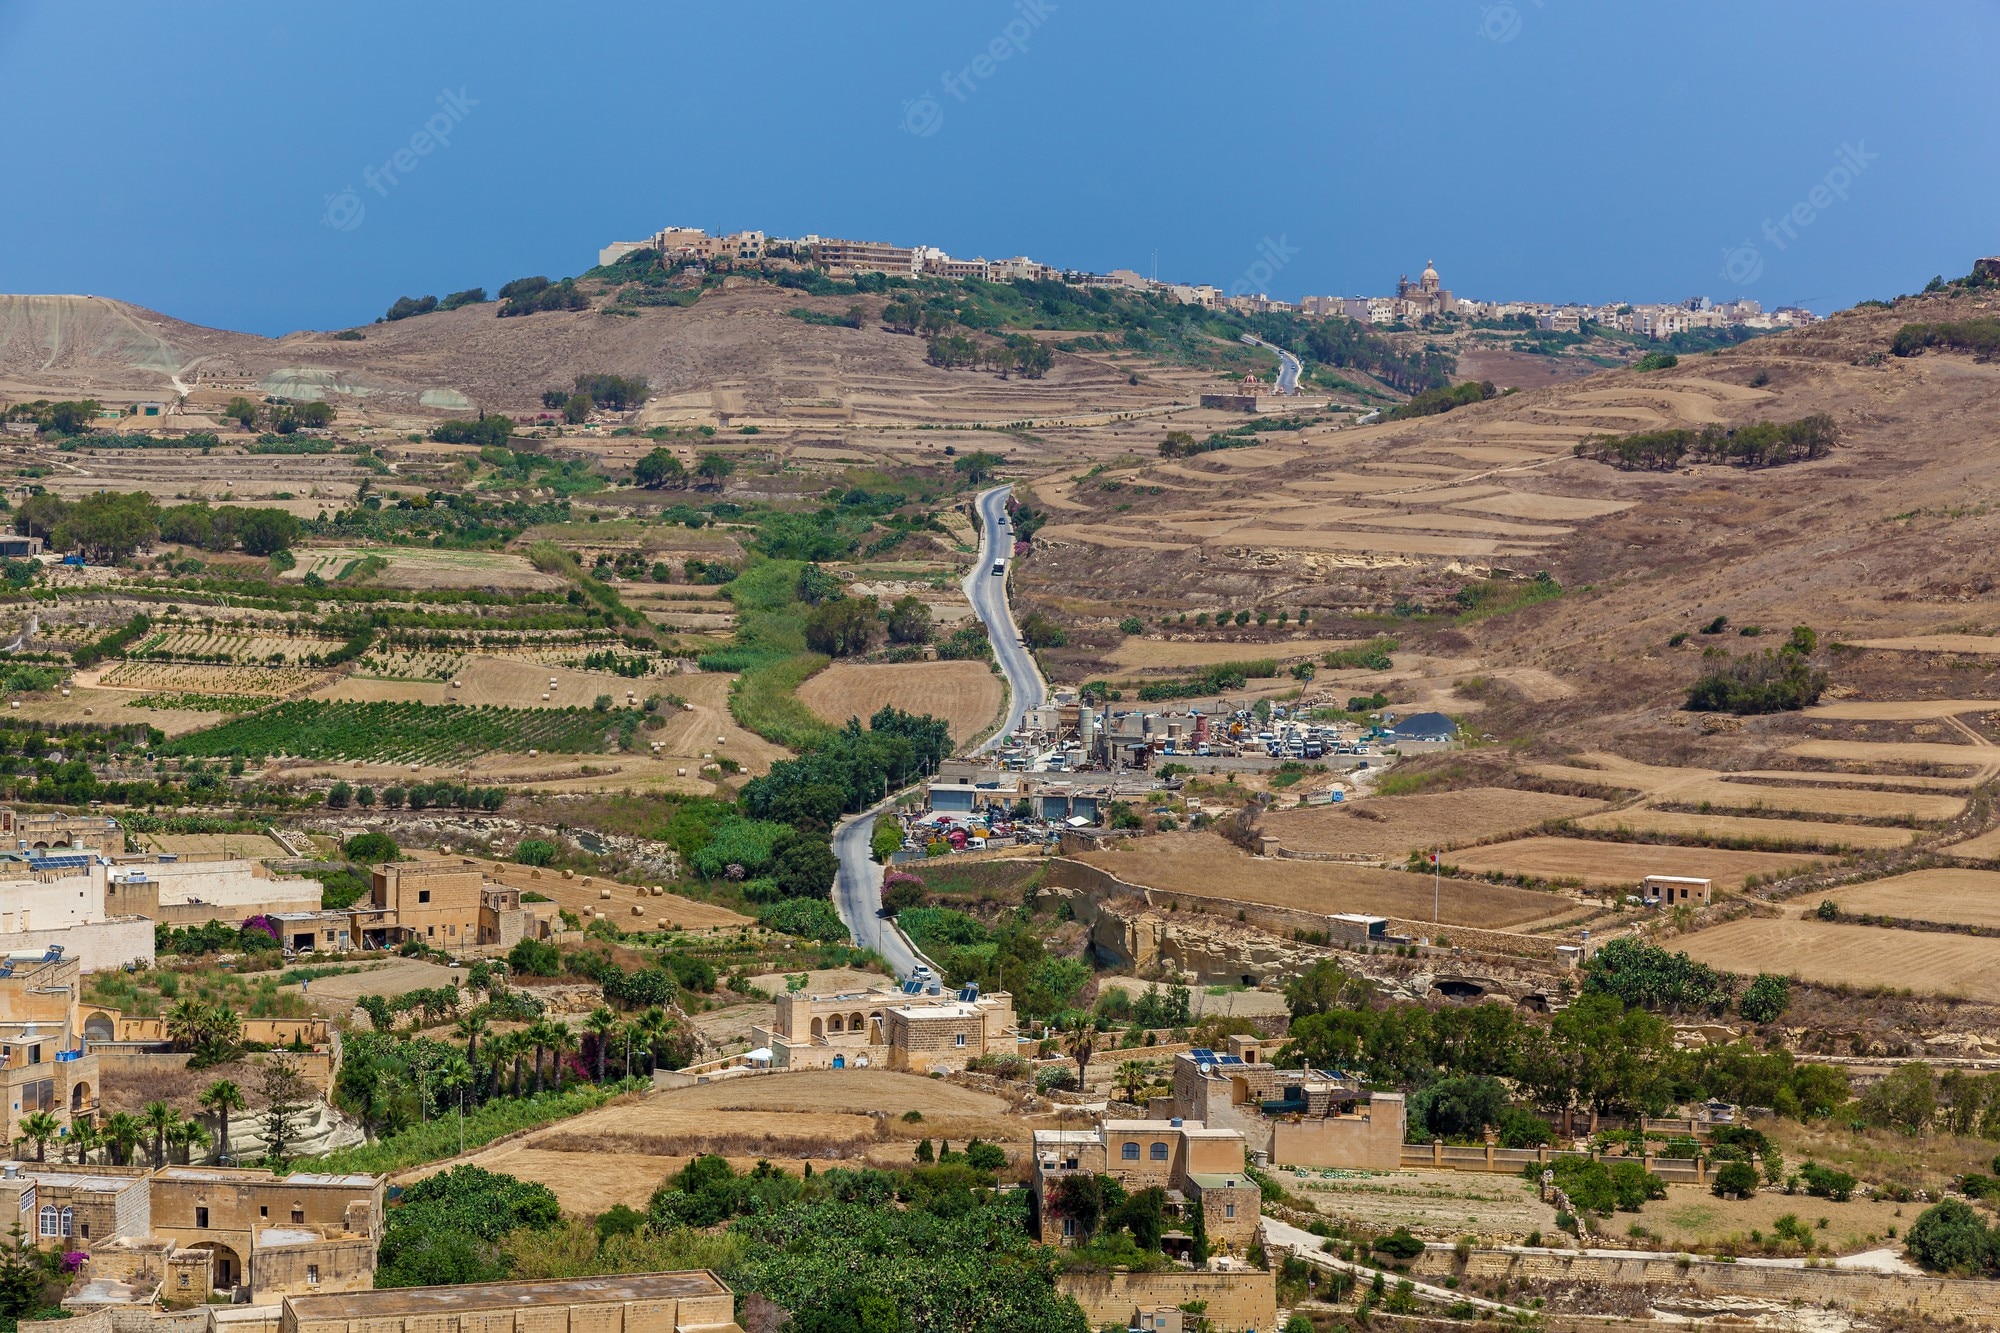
pixel 43 1063
pixel 249 1217
pixel 1199 1166
pixel 1297 1117
pixel 917 1028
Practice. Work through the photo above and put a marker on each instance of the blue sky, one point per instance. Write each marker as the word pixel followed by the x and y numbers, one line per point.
pixel 184 156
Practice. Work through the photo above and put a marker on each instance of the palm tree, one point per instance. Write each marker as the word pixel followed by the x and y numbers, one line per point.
pixel 38 1129
pixel 562 1040
pixel 84 1139
pixel 1133 1075
pixel 541 1034
pixel 159 1118
pixel 187 1022
pixel 1082 1044
pixel 223 1097
pixel 497 1053
pixel 652 1025
pixel 123 1131
pixel 470 1029
pixel 602 1023
pixel 187 1135
pixel 517 1051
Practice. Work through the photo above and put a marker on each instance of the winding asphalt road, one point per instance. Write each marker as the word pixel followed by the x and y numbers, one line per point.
pixel 857 889
pixel 1289 366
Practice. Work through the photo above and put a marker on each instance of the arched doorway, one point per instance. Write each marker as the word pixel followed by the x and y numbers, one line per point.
pixel 99 1027
pixel 80 1098
pixel 225 1268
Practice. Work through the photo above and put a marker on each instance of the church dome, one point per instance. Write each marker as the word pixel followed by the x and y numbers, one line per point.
pixel 1430 271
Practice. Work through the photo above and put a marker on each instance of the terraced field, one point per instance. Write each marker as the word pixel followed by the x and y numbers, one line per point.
pixel 404 732
pixel 1730 828
pixel 1623 863
pixel 1833 953
pixel 1959 897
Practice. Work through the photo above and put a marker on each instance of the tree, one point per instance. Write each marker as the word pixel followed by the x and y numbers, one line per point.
pixel 1949 1237
pixel 659 468
pixel 601 1024
pixel 470 1029
pixel 714 469
pixel 1324 986
pixel 843 627
pixel 109 526
pixel 123 1132
pixel 909 620
pixel 1082 1043
pixel 534 852
pixel 338 795
pixel 266 531
pixel 1905 1100
pixel 976 467
pixel 38 1128
pixel 1133 1077
pixel 242 411
pixel 21 1277
pixel 804 865
pixel 286 1098
pixel 1043 632
pixel 223 1097
pixel 373 848
pixel 40 515
pixel 1767 999
pixel 159 1118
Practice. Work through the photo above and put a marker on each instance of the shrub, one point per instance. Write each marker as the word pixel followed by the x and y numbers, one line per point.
pixel 1768 997
pixel 535 958
pixel 1826 1183
pixel 1398 1244
pixel 1735 1180
pixel 1949 1237
pixel 371 848
pixel 534 852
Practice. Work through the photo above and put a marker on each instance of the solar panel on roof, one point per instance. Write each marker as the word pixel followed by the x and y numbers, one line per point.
pixel 1202 1053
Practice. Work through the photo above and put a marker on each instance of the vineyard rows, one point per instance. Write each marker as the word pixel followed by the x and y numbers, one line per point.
pixel 191 678
pixel 403 733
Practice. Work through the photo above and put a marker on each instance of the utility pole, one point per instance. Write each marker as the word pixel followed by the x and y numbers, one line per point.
pixel 1437 885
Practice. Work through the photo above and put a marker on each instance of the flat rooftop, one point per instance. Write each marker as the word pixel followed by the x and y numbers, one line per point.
pixel 223 1175
pixel 508 1295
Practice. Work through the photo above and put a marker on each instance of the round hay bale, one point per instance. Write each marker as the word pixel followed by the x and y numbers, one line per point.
pixel 65 691
pixel 569 874
pixel 604 893
pixel 680 772
pixel 534 874
pixel 88 711
pixel 638 910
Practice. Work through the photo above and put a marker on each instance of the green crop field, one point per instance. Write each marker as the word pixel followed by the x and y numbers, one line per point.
pixel 405 732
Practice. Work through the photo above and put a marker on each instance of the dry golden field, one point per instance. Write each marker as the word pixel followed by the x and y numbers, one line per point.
pixel 1204 865
pixel 1622 863
pixel 1692 1216
pixel 620 1153
pixel 967 695
pixel 586 897
pixel 1832 953
pixel 1797 832
pixel 1960 897
pixel 419 568
pixel 1819 800
pixel 1138 654
pixel 1391 827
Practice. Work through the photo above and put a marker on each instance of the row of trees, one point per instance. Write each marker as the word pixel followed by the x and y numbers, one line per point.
pixel 1020 354
pixel 1599 1052
pixel 1761 444
pixel 166 1135
pixel 109 526
pixel 662 468
pixel 278 415
pixel 853 767
pixel 406 306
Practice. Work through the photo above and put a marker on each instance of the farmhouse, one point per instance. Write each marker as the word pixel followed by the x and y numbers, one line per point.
pixel 1299 1117
pixel 919 1030
pixel 447 906
pixel 183 1232
pixel 1668 890
pixel 1200 1168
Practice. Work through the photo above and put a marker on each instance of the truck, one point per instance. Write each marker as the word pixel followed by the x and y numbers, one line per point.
pixel 999 567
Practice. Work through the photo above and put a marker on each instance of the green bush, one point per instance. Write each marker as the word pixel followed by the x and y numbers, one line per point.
pixel 534 852
pixel 1735 1180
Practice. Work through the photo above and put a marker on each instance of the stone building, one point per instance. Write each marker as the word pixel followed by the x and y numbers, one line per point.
pixel 69 1207
pixel 1425 296
pixel 51 830
pixel 1298 1117
pixel 233 1210
pixel 43 1064
pixel 687 1302
pixel 917 1030
pixel 1199 1167
pixel 447 905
